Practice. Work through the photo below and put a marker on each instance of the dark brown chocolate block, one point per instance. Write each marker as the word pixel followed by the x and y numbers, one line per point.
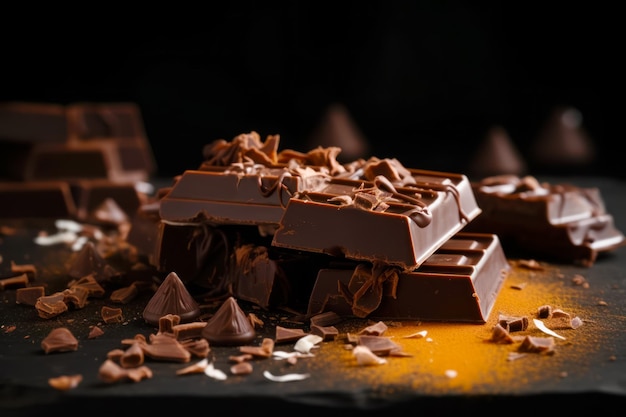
pixel 459 282
pixel 557 221
pixel 36 199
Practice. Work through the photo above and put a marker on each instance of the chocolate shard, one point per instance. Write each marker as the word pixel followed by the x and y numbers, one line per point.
pixel 229 326
pixel 555 221
pixel 172 297
pixel 459 282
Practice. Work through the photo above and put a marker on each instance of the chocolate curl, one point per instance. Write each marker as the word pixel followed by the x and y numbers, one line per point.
pixel 366 287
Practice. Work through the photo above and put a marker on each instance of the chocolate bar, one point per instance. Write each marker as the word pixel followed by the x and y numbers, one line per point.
pixel 561 222
pixel 81 140
pixel 36 199
pixel 459 282
pixel 376 221
pixel 312 211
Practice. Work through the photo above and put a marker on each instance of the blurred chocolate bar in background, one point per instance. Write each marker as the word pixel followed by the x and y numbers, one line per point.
pixel 43 141
pixel 99 149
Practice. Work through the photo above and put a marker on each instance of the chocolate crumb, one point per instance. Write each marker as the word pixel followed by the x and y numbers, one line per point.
pixel 95 332
pixel 241 368
pixel 65 382
pixel 532 344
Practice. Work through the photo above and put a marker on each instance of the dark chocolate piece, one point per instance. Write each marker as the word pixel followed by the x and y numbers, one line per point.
pixel 172 297
pixel 459 282
pixel 88 261
pixel 229 326
pixel 111 314
pixel 92 195
pixel 558 221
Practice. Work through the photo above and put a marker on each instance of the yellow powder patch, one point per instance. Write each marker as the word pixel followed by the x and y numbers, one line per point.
pixel 462 358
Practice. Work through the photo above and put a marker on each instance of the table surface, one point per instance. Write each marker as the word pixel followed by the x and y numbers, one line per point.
pixel 588 368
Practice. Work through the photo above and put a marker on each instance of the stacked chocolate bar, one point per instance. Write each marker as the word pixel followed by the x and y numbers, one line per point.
pixel 65 160
pixel 369 238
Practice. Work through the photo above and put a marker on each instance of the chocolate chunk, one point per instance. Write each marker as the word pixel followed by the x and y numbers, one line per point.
pixel 460 282
pixel 60 339
pixel 229 325
pixel 285 334
pixel 49 306
pixel 89 262
pixel 21 280
pixel 557 221
pixel 111 314
pixel 325 332
pixel 172 297
pixel 29 295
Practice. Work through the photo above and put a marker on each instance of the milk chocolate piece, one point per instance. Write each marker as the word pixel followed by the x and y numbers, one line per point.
pixel 60 339
pixel 21 280
pixel 36 199
pixel 459 282
pixel 172 297
pixel 29 295
pixel 229 326
pixel 49 306
pixel 557 221
pixel 111 314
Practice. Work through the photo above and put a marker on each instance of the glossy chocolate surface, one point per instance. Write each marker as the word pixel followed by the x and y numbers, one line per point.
pixel 459 282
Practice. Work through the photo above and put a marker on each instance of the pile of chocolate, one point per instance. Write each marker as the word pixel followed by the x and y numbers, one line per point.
pixel 369 238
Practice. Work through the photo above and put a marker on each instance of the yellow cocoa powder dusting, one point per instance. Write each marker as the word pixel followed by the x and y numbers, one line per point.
pixel 463 357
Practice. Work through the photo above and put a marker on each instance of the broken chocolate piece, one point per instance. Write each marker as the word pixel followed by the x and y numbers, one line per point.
pixel 229 326
pixel 29 295
pixel 21 281
pixel 285 334
pixel 172 297
pixel 60 339
pixel 111 314
pixel 460 282
pixel 49 306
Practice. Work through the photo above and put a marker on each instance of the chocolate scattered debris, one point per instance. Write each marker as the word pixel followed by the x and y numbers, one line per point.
pixel 21 280
pixel 29 295
pixel 111 314
pixel 65 382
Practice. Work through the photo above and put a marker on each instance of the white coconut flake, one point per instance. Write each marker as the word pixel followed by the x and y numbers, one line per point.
pixel 214 373
pixel 281 354
pixel 68 225
pixel 286 377
pixel 539 324
pixel 79 243
pixel 365 357
pixel 451 373
pixel 417 335
pixel 306 343
pixel 61 237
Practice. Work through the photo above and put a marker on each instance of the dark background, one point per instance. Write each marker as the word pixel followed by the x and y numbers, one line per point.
pixel 422 80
